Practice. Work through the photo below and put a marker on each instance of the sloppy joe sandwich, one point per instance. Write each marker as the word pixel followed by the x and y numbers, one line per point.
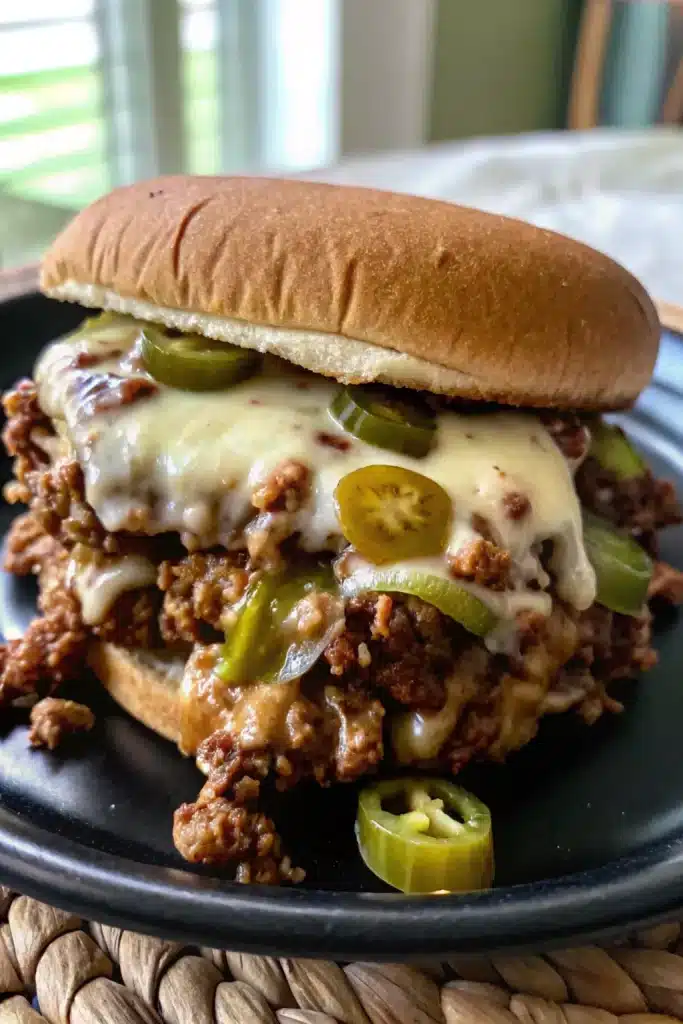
pixel 323 488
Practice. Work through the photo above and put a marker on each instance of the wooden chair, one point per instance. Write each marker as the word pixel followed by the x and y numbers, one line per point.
pixel 589 65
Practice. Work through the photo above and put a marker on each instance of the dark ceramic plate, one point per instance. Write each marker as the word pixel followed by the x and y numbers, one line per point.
pixel 588 821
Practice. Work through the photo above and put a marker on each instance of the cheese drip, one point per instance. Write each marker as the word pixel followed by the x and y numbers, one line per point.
pixel 98 585
pixel 188 462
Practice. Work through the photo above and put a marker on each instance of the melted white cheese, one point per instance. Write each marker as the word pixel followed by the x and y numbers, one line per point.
pixel 190 462
pixel 99 585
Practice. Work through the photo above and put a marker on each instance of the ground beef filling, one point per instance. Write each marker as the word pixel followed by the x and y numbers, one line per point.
pixel 643 505
pixel 198 594
pixel 393 656
pixel 52 650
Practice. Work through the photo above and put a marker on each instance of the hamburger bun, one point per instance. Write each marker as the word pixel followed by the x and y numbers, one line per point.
pixel 363 285
pixel 146 684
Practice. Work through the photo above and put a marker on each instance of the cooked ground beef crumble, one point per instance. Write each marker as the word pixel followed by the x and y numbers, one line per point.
pixel 394 653
pixel 642 505
pixel 53 719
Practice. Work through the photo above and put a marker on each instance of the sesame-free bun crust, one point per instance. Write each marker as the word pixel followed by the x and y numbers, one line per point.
pixel 365 285
pixel 146 685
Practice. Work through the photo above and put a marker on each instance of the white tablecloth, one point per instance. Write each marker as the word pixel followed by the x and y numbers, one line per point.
pixel 621 192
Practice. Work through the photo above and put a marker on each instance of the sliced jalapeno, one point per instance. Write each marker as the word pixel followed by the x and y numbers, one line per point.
pixel 389 513
pixel 622 569
pixel 263 644
pixel 385 418
pixel 613 450
pixel 105 321
pixel 191 362
pixel 449 597
pixel 425 835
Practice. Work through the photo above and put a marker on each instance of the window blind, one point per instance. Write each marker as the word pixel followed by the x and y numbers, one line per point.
pixel 52 130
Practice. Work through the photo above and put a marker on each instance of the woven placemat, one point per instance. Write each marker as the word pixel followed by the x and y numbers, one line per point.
pixel 80 973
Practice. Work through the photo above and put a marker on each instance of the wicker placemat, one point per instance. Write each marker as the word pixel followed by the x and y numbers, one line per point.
pixel 93 974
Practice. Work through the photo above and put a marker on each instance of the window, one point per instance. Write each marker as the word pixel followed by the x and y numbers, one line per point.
pixel 52 131
pixel 199 37
pixel 106 92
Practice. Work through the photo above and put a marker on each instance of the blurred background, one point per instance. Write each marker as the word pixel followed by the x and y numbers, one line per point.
pixel 96 93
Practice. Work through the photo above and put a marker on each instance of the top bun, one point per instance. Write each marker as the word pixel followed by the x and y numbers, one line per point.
pixel 365 285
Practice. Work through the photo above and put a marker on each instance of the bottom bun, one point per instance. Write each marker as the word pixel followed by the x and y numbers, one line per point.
pixel 145 683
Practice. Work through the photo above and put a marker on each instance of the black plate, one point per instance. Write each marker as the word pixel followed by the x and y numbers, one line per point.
pixel 588 821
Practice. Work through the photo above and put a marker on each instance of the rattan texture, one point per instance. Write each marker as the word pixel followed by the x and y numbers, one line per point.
pixel 93 974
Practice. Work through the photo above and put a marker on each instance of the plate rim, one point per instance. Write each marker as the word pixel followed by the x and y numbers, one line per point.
pixel 623 895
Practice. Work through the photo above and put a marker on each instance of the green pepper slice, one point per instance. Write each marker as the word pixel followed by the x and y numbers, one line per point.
pixel 107 318
pixel 381 417
pixel 389 513
pixel 248 643
pixel 451 598
pixel 194 363
pixel 425 835
pixel 104 321
pixel 622 569
pixel 262 645
pixel 613 450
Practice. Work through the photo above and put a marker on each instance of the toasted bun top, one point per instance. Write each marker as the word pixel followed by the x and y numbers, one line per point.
pixel 366 285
